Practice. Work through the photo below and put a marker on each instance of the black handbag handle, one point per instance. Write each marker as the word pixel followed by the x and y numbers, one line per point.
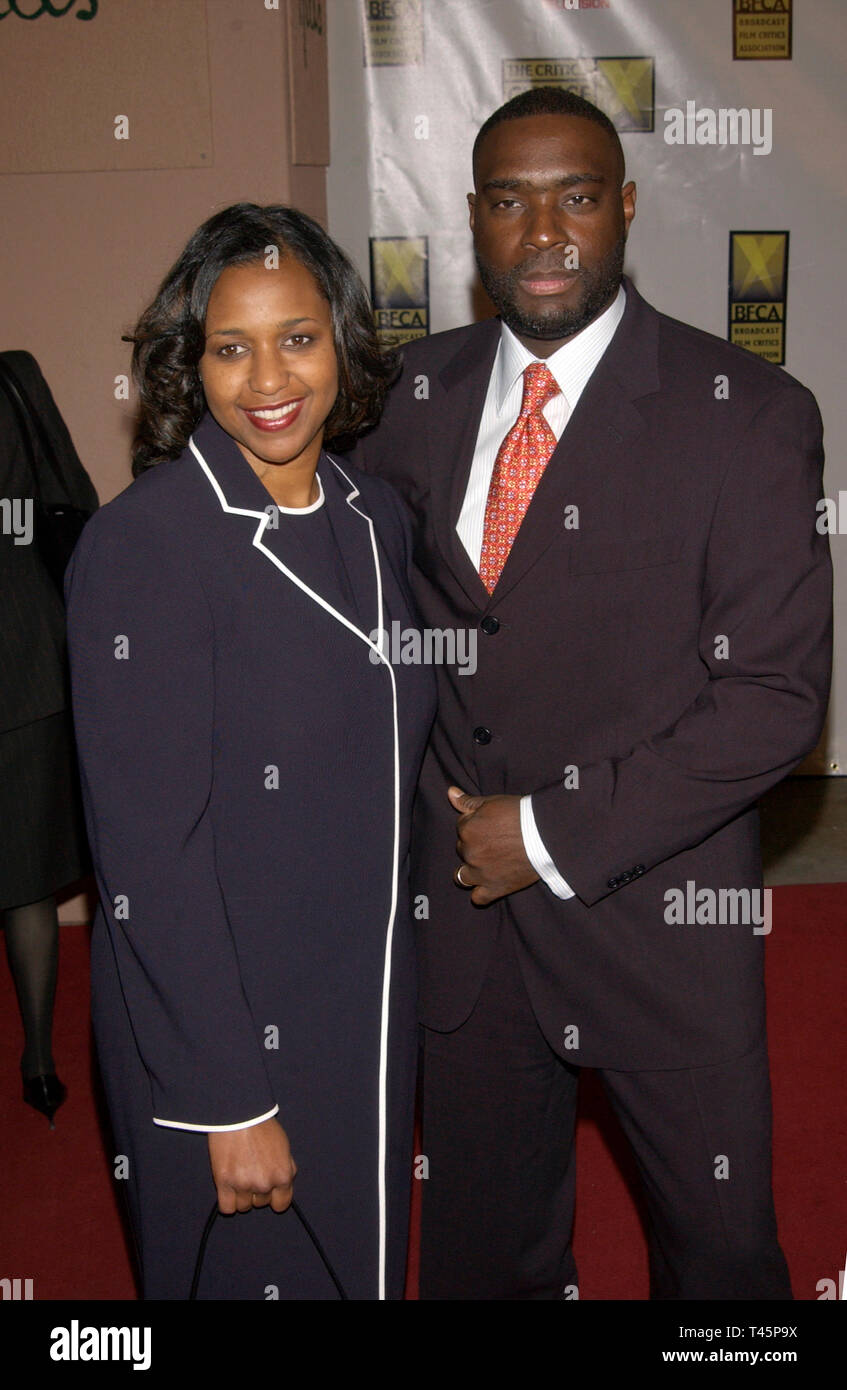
pixel 306 1227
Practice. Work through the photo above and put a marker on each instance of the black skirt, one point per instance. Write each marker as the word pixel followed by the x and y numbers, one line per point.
pixel 42 831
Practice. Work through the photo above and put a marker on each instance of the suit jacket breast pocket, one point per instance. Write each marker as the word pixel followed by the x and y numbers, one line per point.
pixel 595 556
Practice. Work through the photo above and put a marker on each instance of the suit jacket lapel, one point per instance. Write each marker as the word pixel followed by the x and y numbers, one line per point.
pixel 465 382
pixel 596 441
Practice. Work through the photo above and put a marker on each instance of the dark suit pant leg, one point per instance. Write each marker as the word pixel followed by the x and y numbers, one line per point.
pixel 497 1128
pixel 702 1140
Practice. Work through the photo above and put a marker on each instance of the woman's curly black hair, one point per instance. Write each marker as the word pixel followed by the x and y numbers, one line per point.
pixel 169 338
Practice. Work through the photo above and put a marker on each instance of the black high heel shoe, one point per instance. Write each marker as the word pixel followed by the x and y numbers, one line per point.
pixel 45 1094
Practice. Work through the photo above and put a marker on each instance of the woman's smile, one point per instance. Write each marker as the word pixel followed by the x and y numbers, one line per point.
pixel 273 418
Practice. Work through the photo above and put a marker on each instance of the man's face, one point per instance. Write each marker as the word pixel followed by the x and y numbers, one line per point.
pixel 549 220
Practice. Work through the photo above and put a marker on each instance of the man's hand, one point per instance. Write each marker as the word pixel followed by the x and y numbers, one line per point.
pixel 252 1167
pixel 490 846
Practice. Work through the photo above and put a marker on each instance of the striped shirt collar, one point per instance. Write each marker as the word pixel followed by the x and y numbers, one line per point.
pixel 571 364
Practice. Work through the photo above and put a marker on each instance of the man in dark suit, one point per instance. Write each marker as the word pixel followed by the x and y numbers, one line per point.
pixel 622 508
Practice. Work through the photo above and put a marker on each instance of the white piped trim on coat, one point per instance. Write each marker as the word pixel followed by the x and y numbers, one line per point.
pixel 264 521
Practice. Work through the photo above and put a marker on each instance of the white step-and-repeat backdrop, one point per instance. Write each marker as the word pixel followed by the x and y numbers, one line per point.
pixel 733 120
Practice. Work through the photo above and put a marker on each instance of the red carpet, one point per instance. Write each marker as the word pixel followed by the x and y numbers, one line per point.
pixel 61 1224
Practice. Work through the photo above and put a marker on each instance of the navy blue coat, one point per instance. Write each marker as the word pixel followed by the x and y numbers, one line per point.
pixel 248 763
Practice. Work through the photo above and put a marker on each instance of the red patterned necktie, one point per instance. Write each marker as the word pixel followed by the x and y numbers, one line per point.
pixel 521 459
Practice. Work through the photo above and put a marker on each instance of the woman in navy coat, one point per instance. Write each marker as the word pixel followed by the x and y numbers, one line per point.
pixel 249 754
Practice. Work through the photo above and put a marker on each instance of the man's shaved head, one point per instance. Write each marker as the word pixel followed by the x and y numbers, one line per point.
pixel 549 101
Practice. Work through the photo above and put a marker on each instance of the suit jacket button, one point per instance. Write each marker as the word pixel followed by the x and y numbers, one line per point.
pixel 613 883
pixel 481 734
pixel 639 869
pixel 490 625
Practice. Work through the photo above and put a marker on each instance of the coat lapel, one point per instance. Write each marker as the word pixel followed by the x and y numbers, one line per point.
pixel 356 543
pixel 244 498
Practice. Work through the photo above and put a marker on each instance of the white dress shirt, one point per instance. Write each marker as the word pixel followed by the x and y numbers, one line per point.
pixel 571 366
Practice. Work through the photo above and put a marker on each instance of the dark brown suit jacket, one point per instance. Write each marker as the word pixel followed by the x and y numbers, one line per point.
pixel 696 524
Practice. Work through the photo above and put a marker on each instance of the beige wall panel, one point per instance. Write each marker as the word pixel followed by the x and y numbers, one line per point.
pixel 145 62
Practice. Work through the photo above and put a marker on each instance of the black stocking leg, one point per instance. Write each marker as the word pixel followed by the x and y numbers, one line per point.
pixel 32 946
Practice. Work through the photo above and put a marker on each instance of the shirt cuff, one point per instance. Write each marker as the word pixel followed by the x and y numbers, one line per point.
pixel 537 854
pixel 215 1129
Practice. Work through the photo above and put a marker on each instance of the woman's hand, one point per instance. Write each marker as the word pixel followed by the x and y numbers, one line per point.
pixel 252 1167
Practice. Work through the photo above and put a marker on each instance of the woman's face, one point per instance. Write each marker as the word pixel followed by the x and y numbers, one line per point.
pixel 269 370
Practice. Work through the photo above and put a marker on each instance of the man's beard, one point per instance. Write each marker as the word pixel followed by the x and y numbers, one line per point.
pixel 598 288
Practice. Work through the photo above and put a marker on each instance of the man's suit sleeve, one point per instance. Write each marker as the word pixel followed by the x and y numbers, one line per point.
pixel 768 591
pixel 141 643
